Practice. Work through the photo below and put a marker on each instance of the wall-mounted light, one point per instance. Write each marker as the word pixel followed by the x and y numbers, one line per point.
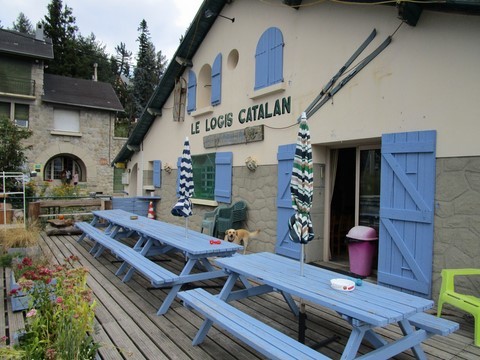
pixel 134 148
pixel 183 62
pixel 154 111
pixel 209 13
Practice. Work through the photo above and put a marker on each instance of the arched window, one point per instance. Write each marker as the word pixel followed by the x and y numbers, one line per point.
pixel 63 168
pixel 269 58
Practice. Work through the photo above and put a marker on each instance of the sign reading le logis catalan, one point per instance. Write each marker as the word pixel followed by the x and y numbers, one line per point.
pixel 244 116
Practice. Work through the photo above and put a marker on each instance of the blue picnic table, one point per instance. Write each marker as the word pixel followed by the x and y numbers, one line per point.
pixel 366 308
pixel 157 237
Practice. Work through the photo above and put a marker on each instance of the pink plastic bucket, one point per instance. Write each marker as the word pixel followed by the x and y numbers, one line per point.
pixel 361 249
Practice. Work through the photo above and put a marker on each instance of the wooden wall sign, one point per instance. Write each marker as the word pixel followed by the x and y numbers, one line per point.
pixel 243 136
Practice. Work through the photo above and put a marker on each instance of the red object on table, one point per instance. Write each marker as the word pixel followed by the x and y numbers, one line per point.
pixel 217 242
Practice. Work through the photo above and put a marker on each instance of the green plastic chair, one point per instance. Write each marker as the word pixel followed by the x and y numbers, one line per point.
pixel 468 303
pixel 231 217
pixel 210 220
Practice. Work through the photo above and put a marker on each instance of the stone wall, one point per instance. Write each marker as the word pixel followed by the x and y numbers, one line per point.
pixel 457 221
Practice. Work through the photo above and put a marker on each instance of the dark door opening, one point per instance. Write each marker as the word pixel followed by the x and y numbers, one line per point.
pixel 342 208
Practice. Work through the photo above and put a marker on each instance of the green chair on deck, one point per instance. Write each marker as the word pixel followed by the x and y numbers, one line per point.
pixel 210 220
pixel 468 303
pixel 231 217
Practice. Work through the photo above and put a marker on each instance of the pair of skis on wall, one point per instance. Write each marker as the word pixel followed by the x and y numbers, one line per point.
pixel 329 90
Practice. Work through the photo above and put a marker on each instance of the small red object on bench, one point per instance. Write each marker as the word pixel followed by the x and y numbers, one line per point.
pixel 217 242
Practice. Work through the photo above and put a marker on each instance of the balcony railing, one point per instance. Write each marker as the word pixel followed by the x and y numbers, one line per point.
pixel 17 86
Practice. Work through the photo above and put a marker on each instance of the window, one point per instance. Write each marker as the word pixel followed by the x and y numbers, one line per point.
pixel 204 87
pixel 62 168
pixel 117 180
pixel 216 95
pixel 122 127
pixel 212 176
pixel 269 59
pixel 204 176
pixel 66 120
pixel 192 92
pixel 21 115
pixel 18 113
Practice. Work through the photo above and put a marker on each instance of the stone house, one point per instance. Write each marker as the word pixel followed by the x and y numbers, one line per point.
pixel 394 135
pixel 72 120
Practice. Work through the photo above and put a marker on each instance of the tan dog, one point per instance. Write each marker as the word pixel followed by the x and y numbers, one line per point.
pixel 240 237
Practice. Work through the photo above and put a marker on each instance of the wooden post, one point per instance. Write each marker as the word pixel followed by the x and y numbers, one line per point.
pixel 33 212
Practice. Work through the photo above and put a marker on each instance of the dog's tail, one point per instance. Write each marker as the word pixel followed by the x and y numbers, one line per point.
pixel 254 233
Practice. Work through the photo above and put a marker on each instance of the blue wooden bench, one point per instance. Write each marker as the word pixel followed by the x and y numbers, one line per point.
pixel 433 324
pixel 157 275
pixel 263 338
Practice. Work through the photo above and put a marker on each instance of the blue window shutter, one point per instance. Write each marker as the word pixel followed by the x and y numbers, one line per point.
pixel 216 96
pixel 223 177
pixel 192 92
pixel 157 173
pixel 177 188
pixel 261 62
pixel 269 58
pixel 275 56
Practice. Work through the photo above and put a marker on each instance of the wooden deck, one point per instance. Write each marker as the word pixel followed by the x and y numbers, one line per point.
pixel 129 328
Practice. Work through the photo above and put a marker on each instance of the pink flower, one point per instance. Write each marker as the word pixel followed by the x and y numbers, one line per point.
pixel 59 300
pixel 32 313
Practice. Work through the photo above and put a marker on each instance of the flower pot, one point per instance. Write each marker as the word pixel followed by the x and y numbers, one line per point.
pixel 20 300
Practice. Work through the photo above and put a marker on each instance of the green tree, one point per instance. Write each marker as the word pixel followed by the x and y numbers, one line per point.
pixel 12 150
pixel 23 24
pixel 59 25
pixel 75 55
pixel 124 90
pixel 146 74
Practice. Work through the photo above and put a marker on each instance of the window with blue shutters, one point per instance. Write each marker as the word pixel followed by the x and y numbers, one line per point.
pixel 216 95
pixel 269 59
pixel 192 92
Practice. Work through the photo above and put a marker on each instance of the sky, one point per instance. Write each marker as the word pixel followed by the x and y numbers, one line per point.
pixel 115 21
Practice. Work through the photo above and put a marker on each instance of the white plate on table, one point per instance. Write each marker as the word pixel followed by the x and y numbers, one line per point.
pixel 342 284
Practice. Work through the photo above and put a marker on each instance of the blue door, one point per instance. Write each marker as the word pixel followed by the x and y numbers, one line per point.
pixel 406 211
pixel 284 245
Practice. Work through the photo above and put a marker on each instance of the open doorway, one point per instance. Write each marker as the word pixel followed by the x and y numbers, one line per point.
pixel 342 206
pixel 355 197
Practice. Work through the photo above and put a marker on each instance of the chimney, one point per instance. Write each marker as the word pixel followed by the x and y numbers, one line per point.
pixel 39 34
pixel 95 78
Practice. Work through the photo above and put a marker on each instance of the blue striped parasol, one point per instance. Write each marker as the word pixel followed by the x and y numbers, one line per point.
pixel 301 187
pixel 183 207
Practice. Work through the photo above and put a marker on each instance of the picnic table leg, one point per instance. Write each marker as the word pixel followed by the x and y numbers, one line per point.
pixel 207 324
pixel 93 223
pixel 407 329
pixel 169 299
pixel 176 288
pixel 354 342
pixel 202 332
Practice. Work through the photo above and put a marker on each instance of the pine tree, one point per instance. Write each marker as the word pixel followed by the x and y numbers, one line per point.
pixel 23 24
pixel 60 26
pixel 146 74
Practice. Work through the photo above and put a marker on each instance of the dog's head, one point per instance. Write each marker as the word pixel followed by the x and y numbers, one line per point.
pixel 230 234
